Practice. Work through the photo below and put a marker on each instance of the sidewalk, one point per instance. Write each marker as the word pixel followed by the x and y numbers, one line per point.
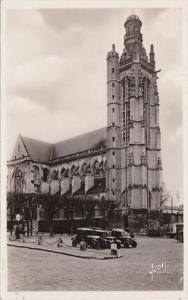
pixel 50 245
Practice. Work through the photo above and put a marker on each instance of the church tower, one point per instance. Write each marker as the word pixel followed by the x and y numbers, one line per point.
pixel 134 155
pixel 113 127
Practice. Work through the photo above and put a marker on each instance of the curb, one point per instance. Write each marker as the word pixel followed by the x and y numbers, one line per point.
pixel 65 253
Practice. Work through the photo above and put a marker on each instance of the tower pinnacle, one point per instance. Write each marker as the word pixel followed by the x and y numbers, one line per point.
pixel 152 55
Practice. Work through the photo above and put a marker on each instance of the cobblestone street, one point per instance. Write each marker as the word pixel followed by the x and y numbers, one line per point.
pixel 30 270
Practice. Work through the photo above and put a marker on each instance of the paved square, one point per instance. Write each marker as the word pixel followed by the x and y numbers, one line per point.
pixel 30 270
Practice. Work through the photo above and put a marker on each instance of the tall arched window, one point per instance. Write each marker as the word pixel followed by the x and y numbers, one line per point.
pixel 55 174
pixel 45 174
pixel 96 167
pixel 62 172
pixel 18 178
pixel 36 172
pixel 72 170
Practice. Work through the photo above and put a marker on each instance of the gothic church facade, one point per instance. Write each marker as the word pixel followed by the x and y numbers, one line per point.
pixel 110 175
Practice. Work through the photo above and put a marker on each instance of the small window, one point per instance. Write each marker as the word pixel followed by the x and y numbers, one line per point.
pixel 113 166
pixel 113 153
pixel 113 109
pixel 113 192
pixel 113 139
pixel 113 179
pixel 113 124
pixel 113 70
pixel 113 96
pixel 113 84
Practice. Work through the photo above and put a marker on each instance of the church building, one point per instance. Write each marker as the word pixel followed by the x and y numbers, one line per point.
pixel 110 177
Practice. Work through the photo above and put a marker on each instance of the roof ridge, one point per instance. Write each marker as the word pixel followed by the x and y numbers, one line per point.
pixel 77 136
pixel 21 137
pixel 37 140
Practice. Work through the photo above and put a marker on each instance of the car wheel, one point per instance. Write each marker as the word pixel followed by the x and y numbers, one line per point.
pixel 108 245
pixel 126 244
pixel 74 243
pixel 92 244
pixel 134 244
pixel 97 246
pixel 103 246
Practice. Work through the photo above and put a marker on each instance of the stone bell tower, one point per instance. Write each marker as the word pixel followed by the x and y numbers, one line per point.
pixel 113 127
pixel 134 148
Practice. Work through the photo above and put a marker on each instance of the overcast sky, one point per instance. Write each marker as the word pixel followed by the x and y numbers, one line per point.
pixel 56 74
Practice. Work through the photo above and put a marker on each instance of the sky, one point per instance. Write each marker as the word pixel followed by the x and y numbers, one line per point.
pixel 56 75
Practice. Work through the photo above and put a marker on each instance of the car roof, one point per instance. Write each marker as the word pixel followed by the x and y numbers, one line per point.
pixel 118 229
pixel 96 228
pixel 100 230
pixel 84 229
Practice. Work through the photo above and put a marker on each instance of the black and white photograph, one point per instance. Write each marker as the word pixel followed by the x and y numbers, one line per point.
pixel 93 190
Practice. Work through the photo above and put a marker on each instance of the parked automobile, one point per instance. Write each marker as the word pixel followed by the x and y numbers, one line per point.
pixel 155 232
pixel 173 229
pixel 89 236
pixel 124 237
pixel 130 232
pixel 107 238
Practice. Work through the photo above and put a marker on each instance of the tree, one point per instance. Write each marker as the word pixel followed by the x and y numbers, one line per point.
pixel 25 205
pixel 29 208
pixel 11 209
pixel 165 195
pixel 52 205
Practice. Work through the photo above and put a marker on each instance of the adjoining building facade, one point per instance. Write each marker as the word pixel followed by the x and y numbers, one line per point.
pixel 111 176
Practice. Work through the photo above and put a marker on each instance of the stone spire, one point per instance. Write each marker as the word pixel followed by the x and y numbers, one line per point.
pixel 112 52
pixel 152 55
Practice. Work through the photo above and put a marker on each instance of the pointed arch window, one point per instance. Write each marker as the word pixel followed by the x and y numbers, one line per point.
pixel 55 174
pixel 45 174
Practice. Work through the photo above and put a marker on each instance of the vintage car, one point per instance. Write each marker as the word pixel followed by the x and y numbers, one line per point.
pixel 130 232
pixel 107 238
pixel 124 237
pixel 90 237
pixel 173 229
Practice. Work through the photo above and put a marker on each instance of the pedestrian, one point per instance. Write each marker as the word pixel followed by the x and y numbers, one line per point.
pixel 17 233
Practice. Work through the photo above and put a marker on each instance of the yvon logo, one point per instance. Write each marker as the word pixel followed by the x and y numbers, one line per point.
pixel 158 269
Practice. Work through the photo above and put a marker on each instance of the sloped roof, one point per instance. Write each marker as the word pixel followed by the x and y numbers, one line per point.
pixel 99 186
pixel 91 140
pixel 37 150
pixel 43 151
pixel 81 191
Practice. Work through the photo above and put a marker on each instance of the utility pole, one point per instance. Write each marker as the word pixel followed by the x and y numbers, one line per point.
pixel 178 198
pixel 171 209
